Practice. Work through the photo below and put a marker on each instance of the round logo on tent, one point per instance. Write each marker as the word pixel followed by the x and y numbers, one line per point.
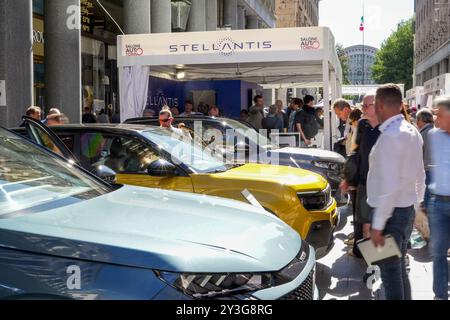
pixel 309 43
pixel 226 46
pixel 133 50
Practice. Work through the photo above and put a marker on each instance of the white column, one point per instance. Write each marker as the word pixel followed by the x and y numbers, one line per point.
pixel 326 106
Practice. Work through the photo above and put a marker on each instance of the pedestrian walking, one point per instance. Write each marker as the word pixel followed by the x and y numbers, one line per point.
pixel 425 122
pixel 354 118
pixel 272 123
pixel 306 122
pixel 33 112
pixel 356 170
pixel 88 117
pixel 281 114
pixel 295 106
pixel 394 186
pixel 342 110
pixel 116 117
pixel 189 109
pixel 214 111
pixel 256 112
pixel 439 201
pixel 102 117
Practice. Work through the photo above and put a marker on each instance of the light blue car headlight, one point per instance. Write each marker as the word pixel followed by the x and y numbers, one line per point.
pixel 208 286
pixel 204 286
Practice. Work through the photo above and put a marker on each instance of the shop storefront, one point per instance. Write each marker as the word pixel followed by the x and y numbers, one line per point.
pixel 38 53
pixel 98 55
pixel 436 87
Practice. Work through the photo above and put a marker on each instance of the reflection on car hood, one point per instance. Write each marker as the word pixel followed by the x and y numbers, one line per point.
pixel 312 153
pixel 158 229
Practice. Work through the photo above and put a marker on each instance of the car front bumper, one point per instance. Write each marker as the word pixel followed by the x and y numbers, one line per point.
pixel 321 233
pixel 303 287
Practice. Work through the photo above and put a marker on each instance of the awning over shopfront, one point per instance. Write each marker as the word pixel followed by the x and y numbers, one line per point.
pixel 289 57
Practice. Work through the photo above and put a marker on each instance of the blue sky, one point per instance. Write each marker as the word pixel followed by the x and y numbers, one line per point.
pixel 381 18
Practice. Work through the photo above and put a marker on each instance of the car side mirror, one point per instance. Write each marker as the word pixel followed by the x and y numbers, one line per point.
pixel 105 173
pixel 162 168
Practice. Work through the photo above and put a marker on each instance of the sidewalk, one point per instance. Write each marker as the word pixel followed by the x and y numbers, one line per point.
pixel 340 276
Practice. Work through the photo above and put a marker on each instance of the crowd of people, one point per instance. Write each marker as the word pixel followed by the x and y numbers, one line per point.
pixel 54 116
pixel 299 117
pixel 202 109
pixel 398 162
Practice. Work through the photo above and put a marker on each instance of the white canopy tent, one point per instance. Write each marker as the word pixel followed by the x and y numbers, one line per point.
pixel 287 57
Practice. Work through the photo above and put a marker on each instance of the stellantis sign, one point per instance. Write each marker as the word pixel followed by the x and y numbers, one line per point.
pixel 225 46
pixel 284 44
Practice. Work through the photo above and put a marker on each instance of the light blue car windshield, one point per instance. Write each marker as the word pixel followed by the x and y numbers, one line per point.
pixel 31 178
pixel 184 150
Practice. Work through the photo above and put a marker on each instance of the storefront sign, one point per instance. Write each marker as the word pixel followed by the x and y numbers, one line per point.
pixel 439 85
pixel 2 93
pixel 87 8
pixel 38 37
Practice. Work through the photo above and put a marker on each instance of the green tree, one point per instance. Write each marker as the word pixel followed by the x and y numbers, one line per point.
pixel 394 62
pixel 343 58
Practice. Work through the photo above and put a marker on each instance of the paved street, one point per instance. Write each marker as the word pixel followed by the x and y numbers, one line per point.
pixel 339 276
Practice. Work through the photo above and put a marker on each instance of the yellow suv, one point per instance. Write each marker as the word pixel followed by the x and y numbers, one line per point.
pixel 158 158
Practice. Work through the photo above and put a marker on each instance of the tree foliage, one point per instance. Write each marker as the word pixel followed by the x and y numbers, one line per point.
pixel 394 62
pixel 343 58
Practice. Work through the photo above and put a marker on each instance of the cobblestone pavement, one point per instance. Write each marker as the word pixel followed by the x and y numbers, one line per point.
pixel 340 276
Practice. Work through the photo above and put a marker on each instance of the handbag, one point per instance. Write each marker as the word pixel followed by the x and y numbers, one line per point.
pixel 421 223
pixel 351 169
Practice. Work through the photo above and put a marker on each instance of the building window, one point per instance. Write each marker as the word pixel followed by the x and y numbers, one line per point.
pixel 38 7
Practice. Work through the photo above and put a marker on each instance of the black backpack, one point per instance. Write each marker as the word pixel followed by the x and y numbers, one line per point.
pixel 311 126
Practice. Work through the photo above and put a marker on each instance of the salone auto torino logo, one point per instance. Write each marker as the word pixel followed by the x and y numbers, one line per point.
pixel 225 46
pixel 309 43
pixel 133 50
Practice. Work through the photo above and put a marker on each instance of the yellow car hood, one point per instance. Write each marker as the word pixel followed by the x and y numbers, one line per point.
pixel 294 177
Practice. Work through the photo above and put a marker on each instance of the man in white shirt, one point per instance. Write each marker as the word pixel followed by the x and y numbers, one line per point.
pixel 395 183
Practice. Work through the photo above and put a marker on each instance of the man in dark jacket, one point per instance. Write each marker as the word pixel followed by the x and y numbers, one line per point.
pixel 357 169
pixel 88 117
pixel 425 122
pixel 306 122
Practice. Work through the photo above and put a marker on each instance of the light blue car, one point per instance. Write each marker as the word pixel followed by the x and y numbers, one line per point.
pixel 65 234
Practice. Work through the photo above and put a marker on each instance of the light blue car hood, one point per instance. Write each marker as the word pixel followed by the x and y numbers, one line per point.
pixel 158 229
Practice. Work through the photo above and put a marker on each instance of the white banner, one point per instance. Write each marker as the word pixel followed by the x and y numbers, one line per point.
pixel 286 44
